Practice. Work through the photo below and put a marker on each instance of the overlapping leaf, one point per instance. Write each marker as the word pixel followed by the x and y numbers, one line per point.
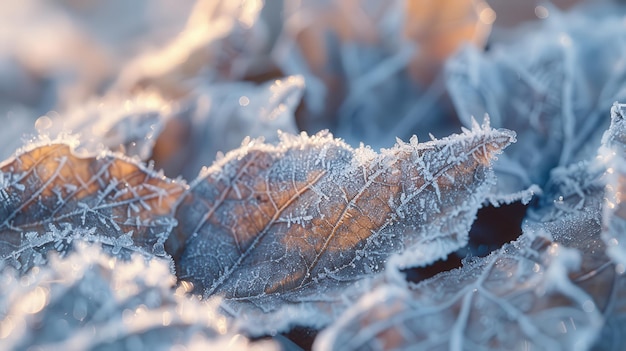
pixel 47 191
pixel 217 117
pixel 553 85
pixel 529 294
pixel 519 297
pixel 273 225
pixel 131 305
pixel 614 156
pixel 128 125
pixel 365 61
pixel 584 214
pixel 546 296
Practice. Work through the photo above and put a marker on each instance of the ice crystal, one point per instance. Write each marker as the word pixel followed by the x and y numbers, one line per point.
pixel 218 117
pixel 553 85
pixel 300 221
pixel 90 301
pixel 47 191
pixel 472 308
pixel 362 72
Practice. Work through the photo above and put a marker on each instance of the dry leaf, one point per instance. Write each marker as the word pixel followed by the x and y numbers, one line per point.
pixel 47 191
pixel 440 28
pixel 128 125
pixel 218 116
pixel 614 156
pixel 517 298
pixel 364 61
pixel 550 296
pixel 582 213
pixel 553 85
pixel 131 304
pixel 302 220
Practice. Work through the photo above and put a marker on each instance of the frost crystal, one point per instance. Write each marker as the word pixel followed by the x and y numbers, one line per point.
pixel 368 64
pixel 218 117
pixel 476 308
pixel 553 86
pixel 90 301
pixel 301 221
pixel 613 154
pixel 49 195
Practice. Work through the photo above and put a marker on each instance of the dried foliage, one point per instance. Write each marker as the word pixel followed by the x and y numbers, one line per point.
pixel 47 190
pixel 304 219
pixel 297 230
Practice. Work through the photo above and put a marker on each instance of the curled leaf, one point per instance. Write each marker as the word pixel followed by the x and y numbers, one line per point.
pixel 270 225
pixel 519 297
pixel 47 190
pixel 548 290
pixel 365 62
pixel 581 213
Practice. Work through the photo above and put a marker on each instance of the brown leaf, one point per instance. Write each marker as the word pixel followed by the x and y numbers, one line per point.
pixel 302 220
pixel 519 297
pixel 440 28
pixel 48 193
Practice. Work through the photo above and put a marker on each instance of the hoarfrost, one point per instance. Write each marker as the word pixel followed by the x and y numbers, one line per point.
pixel 573 214
pixel 613 154
pixel 131 304
pixel 554 288
pixel 219 116
pixel 50 195
pixel 365 63
pixel 519 297
pixel 231 242
pixel 552 85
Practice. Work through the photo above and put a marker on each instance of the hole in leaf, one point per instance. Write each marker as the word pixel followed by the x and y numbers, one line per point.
pixel 493 227
pixel 418 274
pixel 302 336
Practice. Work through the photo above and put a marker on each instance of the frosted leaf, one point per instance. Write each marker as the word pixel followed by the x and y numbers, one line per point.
pixel 129 125
pixel 572 216
pixel 47 189
pixel 220 42
pixel 220 116
pixel 614 157
pixel 552 85
pixel 131 304
pixel 538 282
pixel 365 62
pixel 519 297
pixel 269 226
